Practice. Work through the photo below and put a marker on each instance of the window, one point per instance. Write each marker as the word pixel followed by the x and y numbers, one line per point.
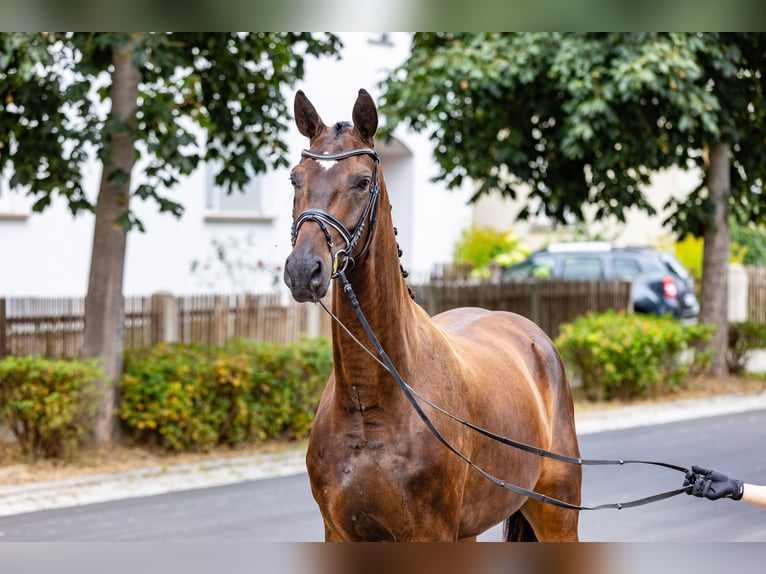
pixel 582 267
pixel 539 267
pixel 625 268
pixel 14 205
pixel 245 205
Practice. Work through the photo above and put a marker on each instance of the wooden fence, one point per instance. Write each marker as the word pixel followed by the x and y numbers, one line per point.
pixel 53 327
pixel 756 294
pixel 549 303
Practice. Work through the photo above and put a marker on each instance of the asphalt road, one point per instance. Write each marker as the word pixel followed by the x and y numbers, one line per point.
pixel 282 509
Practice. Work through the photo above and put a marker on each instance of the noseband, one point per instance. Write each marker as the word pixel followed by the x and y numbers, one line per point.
pixel 342 259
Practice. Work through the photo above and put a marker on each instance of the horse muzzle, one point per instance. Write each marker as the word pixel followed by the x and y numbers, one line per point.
pixel 308 274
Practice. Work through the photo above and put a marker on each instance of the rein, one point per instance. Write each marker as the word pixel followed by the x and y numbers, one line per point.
pixel 413 397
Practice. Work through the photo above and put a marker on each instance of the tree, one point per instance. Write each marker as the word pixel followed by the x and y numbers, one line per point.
pixel 165 102
pixel 585 119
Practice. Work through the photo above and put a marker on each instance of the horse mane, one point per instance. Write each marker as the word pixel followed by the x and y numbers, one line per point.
pixel 404 272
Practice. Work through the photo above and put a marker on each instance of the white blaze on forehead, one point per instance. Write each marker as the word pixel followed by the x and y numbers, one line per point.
pixel 326 164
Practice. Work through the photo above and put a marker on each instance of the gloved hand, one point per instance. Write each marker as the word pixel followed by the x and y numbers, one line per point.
pixel 712 485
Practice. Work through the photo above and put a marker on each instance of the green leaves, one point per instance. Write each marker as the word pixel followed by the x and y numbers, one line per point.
pixel 201 96
pixel 47 404
pixel 585 118
pixel 194 397
pixel 619 356
pixel 484 247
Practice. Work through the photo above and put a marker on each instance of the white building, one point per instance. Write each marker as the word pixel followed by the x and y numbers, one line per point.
pixel 639 228
pixel 48 254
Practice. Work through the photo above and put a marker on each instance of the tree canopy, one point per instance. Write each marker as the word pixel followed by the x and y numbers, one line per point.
pixel 55 108
pixel 587 118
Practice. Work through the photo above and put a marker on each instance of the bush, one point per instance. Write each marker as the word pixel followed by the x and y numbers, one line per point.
pixel 744 337
pixel 193 397
pixel 616 355
pixel 48 404
pixel 484 247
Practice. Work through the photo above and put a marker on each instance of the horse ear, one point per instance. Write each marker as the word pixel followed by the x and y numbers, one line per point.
pixel 365 116
pixel 306 117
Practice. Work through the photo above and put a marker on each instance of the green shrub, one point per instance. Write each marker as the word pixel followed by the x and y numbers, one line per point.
pixel 483 247
pixel 689 250
pixel 194 397
pixel 616 355
pixel 744 337
pixel 47 404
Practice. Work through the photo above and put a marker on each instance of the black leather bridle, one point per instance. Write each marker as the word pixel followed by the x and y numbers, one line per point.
pixel 342 259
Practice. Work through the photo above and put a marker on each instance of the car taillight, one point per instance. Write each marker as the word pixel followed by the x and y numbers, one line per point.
pixel 669 288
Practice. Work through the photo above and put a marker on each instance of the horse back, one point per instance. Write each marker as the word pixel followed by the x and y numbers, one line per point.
pixel 498 332
pixel 514 344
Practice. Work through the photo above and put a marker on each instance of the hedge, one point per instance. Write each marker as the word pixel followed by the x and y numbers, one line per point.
pixel 47 404
pixel 194 397
pixel 619 355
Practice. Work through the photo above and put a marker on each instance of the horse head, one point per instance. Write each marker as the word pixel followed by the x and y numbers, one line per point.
pixel 337 193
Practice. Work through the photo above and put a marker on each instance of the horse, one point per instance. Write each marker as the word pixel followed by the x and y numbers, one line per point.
pixel 377 472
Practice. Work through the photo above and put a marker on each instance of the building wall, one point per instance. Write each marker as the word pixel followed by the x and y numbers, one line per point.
pixel 638 229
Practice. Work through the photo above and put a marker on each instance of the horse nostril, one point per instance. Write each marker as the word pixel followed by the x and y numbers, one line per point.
pixel 316 283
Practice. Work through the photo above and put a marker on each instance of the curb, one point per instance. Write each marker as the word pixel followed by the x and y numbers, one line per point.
pixel 31 497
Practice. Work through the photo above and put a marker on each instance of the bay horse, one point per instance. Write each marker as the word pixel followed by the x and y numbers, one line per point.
pixel 376 471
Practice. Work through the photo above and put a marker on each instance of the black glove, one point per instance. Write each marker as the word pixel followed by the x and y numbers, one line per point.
pixel 712 485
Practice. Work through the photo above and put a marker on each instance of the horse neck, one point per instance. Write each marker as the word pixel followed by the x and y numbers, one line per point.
pixel 378 285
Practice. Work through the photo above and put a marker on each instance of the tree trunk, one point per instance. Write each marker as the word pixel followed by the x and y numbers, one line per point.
pixel 104 305
pixel 715 259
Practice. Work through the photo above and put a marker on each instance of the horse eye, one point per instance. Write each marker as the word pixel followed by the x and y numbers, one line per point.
pixel 364 183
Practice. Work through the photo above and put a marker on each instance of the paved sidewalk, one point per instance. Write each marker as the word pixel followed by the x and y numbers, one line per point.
pixel 161 479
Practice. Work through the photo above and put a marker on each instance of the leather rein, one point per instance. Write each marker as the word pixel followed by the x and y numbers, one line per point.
pixel 323 219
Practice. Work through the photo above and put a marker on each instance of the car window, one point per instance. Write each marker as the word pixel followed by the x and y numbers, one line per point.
pixel 539 267
pixel 625 268
pixel 674 265
pixel 582 267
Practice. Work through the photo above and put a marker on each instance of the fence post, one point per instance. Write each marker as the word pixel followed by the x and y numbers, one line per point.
pixel 220 319
pixel 534 301
pixel 165 312
pixel 313 317
pixel 737 304
pixel 3 328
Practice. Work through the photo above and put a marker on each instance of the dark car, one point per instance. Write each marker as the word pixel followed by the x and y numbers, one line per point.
pixel 660 283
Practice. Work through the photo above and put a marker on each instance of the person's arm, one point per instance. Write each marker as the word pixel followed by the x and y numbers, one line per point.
pixel 754 494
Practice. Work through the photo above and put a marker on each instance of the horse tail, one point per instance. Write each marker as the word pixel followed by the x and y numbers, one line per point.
pixel 517 529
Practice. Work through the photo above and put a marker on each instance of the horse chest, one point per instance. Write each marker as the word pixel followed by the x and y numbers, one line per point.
pixel 374 489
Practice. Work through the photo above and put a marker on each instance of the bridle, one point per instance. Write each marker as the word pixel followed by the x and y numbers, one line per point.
pixel 342 259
